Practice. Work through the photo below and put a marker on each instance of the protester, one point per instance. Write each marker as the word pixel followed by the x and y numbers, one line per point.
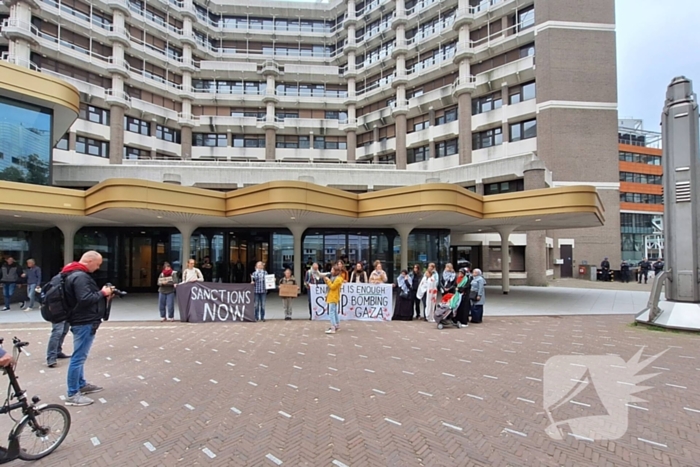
pixel 427 291
pixel 340 264
pixel 166 292
pixel 310 279
pixel 461 314
pixel 378 276
pixel 10 275
pixel 33 276
pixel 334 284
pixel 258 279
pixel 416 277
pixel 191 273
pixel 448 283
pixel 477 296
pixel 403 311
pixel 207 269
pixel 359 274
pixel 288 279
pixel 87 304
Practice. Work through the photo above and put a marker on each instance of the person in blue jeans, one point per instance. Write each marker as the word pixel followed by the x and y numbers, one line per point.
pixel 55 348
pixel 258 280
pixel 10 274
pixel 88 304
pixel 33 276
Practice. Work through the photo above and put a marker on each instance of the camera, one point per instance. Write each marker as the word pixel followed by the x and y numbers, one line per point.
pixel 116 291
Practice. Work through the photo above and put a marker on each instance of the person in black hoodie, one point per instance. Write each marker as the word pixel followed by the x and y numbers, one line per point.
pixel 87 304
pixel 10 275
pixel 416 277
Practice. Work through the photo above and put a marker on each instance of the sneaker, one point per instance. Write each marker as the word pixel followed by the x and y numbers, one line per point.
pixel 28 309
pixel 171 319
pixel 62 355
pixel 21 305
pixel 51 364
pixel 7 308
pixel 163 320
pixel 78 399
pixel 287 319
pixel 463 325
pixel 90 389
pixel 330 331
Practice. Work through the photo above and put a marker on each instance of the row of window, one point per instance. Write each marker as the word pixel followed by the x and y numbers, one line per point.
pixel 220 140
pixel 637 223
pixel 641 198
pixel 494 136
pixel 442 149
pixel 131 124
pixel 632 177
pixel 516 94
pixel 441 117
pixel 640 158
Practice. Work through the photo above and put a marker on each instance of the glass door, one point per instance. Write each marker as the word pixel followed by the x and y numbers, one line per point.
pixel 139 263
pixel 238 259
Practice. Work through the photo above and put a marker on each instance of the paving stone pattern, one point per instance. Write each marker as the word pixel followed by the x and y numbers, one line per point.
pixel 375 394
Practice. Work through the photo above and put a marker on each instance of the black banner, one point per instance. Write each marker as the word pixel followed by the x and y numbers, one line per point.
pixel 204 302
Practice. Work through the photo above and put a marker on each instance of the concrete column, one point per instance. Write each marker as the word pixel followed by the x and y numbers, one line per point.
pixel 69 230
pixel 311 139
pixel 401 153
pixel 465 128
pixel 375 145
pixel 154 128
pixel 536 249
pixel 116 134
pixel 298 232
pixel 431 148
pixel 504 232
pixel 186 143
pixel 404 231
pixel 352 146
pixel 270 142
pixel 480 189
pixel 186 233
pixel 72 137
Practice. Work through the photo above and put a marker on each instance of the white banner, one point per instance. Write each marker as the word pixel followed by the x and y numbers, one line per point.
pixel 365 302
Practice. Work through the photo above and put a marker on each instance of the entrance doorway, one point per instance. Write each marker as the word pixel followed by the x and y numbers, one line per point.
pixel 144 255
pixel 244 251
pixel 567 267
pixel 461 254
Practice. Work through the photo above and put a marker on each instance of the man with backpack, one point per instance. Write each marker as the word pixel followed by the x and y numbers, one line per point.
pixel 75 296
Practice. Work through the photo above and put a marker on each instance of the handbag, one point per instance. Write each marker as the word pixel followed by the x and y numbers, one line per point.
pixel 404 294
pixel 473 294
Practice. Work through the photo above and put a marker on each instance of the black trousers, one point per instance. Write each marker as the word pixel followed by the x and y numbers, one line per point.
pixel 416 306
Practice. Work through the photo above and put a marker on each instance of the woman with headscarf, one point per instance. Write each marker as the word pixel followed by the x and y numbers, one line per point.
pixel 448 283
pixel 427 290
pixel 463 286
pixel 403 311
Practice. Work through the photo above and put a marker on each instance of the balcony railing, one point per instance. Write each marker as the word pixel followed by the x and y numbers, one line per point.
pixel 6 57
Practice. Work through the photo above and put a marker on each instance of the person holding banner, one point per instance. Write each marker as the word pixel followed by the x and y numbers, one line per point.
pixel 166 292
pixel 312 277
pixel 340 264
pixel 404 302
pixel 359 274
pixel 288 279
pixel 258 280
pixel 191 273
pixel 378 276
pixel 427 290
pixel 335 283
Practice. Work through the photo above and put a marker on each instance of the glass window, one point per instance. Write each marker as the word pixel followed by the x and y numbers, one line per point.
pixel 91 147
pixel 62 143
pixel 94 114
pixel 25 148
pixel 523 130
pixel 526 18
pixel 522 93
pixel 527 51
pixel 446 148
pixel 418 154
pixel 167 134
pixel 488 138
pixel 487 103
pixel 135 125
pixel 504 187
pixel 210 140
pixel 448 115
pixel 136 154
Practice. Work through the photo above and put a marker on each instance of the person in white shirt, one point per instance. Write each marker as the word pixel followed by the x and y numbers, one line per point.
pixel 192 274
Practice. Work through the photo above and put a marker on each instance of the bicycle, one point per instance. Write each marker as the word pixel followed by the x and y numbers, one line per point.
pixel 43 433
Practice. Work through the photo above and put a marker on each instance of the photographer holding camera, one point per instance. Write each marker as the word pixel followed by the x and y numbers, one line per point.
pixel 89 305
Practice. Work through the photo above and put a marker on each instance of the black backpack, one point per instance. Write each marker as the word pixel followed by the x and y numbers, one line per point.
pixel 53 304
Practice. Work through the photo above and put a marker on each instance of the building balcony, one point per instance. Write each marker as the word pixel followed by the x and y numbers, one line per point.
pixel 464 85
pixel 228 153
pixel 118 66
pixel 72 158
pixel 120 35
pixel 14 29
pixel 6 57
pixel 350 21
pixel 519 71
pixel 400 48
pixel 91 129
pixel 119 5
pixel 311 155
pixel 400 79
pixel 399 108
pixel 116 97
pixel 150 142
pixel 189 38
pixel 188 64
pixel 507 113
pixel 226 123
pixel 501 151
pixel 433 133
pixel 348 125
pixel 270 68
pixel 186 119
pixel 465 51
pixel 463 17
pixel 400 19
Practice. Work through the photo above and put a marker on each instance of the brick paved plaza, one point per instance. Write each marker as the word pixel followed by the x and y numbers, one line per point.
pixel 375 394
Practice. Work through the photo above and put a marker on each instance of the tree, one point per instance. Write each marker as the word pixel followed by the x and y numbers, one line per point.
pixel 12 174
pixel 37 170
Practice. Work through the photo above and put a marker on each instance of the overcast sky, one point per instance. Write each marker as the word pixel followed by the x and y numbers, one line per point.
pixel 656 41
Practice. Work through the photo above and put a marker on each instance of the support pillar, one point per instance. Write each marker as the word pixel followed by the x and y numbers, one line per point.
pixel 464 110
pixel 186 231
pixel 504 232
pixel 69 230
pixel 186 143
pixel 404 231
pixel 116 134
pixel 401 151
pixel 352 146
pixel 270 143
pixel 536 249
pixel 298 232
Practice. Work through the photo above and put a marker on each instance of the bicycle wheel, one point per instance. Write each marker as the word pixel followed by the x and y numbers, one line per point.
pixel 41 436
